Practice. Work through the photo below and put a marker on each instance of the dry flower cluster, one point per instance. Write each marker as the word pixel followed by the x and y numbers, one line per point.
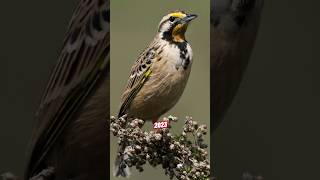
pixel 180 157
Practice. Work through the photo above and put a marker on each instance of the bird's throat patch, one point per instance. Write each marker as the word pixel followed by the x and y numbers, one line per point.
pixel 178 32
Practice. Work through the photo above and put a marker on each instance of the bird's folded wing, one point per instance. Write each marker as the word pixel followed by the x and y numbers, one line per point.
pixel 83 59
pixel 140 73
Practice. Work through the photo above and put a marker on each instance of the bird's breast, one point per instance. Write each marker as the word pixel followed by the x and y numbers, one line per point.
pixel 177 57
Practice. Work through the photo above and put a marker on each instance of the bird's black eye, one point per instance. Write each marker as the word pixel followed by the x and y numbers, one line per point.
pixel 171 19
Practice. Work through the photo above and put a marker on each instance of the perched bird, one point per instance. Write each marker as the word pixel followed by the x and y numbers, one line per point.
pixel 71 133
pixel 158 76
pixel 234 27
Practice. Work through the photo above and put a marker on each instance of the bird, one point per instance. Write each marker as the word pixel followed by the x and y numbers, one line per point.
pixel 233 31
pixel 158 76
pixel 70 133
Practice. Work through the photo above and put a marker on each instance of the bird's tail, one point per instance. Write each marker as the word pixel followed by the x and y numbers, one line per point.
pixel 120 168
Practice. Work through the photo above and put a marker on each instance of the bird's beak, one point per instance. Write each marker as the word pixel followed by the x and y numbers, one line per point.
pixel 188 18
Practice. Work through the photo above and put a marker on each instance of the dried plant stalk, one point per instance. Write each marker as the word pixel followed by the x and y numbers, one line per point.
pixel 179 156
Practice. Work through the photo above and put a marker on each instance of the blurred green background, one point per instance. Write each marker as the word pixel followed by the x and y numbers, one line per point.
pixel 133 26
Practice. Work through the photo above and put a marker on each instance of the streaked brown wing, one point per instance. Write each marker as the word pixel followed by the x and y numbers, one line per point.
pixel 234 26
pixel 83 59
pixel 139 74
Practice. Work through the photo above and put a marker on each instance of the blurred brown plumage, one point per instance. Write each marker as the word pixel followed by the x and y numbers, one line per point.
pixel 234 26
pixel 71 133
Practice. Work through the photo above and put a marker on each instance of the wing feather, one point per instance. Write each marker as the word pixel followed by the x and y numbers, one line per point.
pixel 83 59
pixel 140 72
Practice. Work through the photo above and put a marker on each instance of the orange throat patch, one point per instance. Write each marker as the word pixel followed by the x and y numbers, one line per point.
pixel 178 32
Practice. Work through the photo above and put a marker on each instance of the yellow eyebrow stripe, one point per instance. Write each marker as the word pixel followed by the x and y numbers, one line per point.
pixel 178 14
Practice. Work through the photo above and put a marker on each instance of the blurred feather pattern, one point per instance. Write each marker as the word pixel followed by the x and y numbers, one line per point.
pixel 234 27
pixel 70 133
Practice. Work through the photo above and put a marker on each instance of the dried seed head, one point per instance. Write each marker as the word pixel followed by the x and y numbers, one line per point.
pixel 179 157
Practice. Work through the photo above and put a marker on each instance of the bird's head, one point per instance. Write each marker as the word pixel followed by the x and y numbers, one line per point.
pixel 173 26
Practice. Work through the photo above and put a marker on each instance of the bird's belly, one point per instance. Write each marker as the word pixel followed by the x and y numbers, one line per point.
pixel 159 94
